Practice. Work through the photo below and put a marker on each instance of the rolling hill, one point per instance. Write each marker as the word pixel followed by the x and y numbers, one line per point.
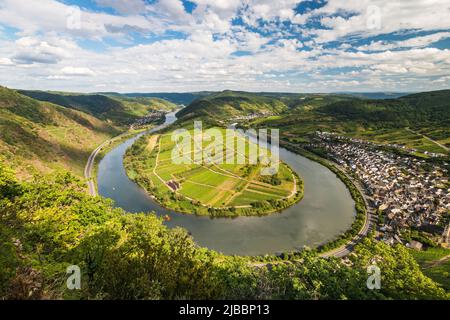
pixel 376 95
pixel 118 110
pixel 174 97
pixel 419 121
pixel 38 136
pixel 228 104
pixel 420 108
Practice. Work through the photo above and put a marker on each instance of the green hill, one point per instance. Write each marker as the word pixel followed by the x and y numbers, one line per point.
pixel 435 105
pixel 420 108
pixel 377 95
pixel 41 136
pixel 140 106
pixel 116 109
pixel 410 120
pixel 228 104
pixel 174 97
pixel 50 223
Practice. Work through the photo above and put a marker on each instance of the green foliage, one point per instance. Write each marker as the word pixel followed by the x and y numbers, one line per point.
pixel 401 277
pixel 420 236
pixel 142 105
pixel 50 223
pixel 380 121
pixel 435 263
pixel 174 97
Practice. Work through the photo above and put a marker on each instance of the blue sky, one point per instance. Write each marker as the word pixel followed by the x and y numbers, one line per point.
pixel 254 45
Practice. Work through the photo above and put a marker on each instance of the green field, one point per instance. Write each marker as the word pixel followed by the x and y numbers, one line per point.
pixel 213 185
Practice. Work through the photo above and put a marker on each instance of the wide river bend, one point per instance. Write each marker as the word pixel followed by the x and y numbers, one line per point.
pixel 326 210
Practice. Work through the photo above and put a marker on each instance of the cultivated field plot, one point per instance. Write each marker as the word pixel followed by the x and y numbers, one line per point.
pixel 218 181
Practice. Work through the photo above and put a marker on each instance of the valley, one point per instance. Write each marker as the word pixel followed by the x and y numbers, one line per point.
pixel 207 158
pixel 335 203
pixel 41 136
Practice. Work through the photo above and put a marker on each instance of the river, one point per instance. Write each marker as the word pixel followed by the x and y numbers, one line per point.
pixel 326 210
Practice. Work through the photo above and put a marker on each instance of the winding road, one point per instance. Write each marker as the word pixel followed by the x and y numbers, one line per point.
pixel 89 167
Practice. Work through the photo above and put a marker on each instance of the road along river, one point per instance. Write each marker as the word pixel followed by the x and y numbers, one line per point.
pixel 326 210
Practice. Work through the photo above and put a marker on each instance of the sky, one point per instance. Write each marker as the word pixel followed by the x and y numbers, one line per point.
pixel 213 45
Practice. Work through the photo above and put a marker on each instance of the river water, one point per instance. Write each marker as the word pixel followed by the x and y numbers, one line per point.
pixel 326 210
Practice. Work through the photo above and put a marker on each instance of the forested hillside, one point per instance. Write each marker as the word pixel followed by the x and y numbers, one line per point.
pixel 41 136
pixel 50 223
pixel 421 108
pixel 118 110
pixel 142 105
pixel 410 120
pixel 174 97
pixel 228 104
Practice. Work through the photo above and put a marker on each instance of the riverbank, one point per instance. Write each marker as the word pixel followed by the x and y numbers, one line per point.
pixel 361 225
pixel 91 168
pixel 344 243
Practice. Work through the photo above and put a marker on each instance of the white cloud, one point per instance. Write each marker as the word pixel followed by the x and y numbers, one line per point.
pixel 54 16
pixel 6 62
pixel 48 55
pixel 224 9
pixel 77 71
pixel 373 17
pixel 415 42
pixel 29 50
pixel 270 10
pixel 172 12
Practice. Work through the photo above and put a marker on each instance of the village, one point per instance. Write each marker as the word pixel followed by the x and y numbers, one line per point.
pixel 252 116
pixel 149 118
pixel 408 193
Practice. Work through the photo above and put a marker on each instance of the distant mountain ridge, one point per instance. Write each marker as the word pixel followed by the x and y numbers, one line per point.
pixel 47 130
pixel 377 95
pixel 174 97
